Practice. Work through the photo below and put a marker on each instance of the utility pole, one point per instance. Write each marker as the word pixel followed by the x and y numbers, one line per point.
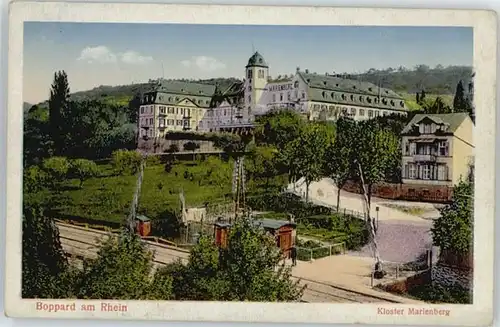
pixel 135 200
pixel 238 186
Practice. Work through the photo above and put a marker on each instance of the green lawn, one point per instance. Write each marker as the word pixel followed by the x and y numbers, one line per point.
pixel 107 198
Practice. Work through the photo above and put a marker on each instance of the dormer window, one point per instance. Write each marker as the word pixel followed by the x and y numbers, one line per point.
pixel 323 94
pixel 352 97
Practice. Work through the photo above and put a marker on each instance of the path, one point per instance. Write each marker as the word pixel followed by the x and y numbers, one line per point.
pixel 342 272
pixel 401 237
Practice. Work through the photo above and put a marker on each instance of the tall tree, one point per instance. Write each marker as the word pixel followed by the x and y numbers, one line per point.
pixel 43 259
pixel 58 107
pixel 306 153
pixel 422 96
pixel 459 101
pixel 339 155
pixel 375 148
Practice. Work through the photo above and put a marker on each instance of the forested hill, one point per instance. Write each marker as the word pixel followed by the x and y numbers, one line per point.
pixel 127 91
pixel 438 80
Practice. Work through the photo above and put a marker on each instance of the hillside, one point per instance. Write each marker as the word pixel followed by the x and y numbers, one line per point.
pixel 436 81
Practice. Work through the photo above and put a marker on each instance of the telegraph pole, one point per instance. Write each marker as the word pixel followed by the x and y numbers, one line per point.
pixel 238 186
pixel 135 200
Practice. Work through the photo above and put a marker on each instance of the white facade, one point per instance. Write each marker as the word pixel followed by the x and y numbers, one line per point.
pixel 262 94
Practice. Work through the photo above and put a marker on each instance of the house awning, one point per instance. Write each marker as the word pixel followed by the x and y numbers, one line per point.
pixel 426 140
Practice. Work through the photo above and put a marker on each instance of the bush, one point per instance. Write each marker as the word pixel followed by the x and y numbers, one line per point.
pixel 34 179
pixel 124 161
pixel 56 168
pixel 436 293
pixel 84 169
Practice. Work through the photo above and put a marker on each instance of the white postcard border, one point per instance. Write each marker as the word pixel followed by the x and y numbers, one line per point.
pixel 485 54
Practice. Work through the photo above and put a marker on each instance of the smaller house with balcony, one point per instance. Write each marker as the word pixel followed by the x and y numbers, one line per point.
pixel 438 149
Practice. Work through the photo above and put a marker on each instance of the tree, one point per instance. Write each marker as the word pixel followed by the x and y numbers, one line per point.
pixel 57 169
pixel 126 161
pixel 436 107
pixel 460 101
pixel 453 230
pixel 422 96
pixel 43 259
pixel 122 270
pixel 339 155
pixel 84 169
pixel 306 153
pixel 375 148
pixel 263 163
pixel 191 146
pixel 232 144
pixel 248 269
pixel 278 128
pixel 58 107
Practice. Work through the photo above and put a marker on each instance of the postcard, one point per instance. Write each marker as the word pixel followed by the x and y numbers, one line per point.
pixel 250 163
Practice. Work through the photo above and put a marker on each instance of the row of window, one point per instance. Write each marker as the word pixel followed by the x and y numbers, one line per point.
pixel 440 148
pixel 226 112
pixel 335 111
pixel 289 96
pixel 176 111
pixel 426 172
pixel 146 122
pixel 146 109
pixel 361 99
pixel 172 122
pixel 429 128
pixel 150 99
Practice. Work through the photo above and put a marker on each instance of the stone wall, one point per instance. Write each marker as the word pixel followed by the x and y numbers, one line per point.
pixel 449 276
pixel 428 193
pixel 404 285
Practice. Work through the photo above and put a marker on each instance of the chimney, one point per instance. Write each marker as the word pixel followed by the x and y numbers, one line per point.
pixel 326 74
pixel 297 69
pixel 307 71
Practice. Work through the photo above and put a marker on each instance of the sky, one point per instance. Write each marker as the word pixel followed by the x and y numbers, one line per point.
pixel 94 54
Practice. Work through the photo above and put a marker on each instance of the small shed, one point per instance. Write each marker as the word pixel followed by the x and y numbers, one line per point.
pixel 143 224
pixel 221 231
pixel 282 230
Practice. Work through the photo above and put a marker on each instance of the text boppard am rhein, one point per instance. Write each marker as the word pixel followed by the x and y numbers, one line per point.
pixel 72 307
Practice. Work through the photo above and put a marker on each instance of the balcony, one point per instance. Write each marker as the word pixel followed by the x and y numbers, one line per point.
pixel 424 158
pixel 162 126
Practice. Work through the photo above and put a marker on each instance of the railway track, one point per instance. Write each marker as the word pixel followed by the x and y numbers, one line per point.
pixel 81 243
pixel 327 293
